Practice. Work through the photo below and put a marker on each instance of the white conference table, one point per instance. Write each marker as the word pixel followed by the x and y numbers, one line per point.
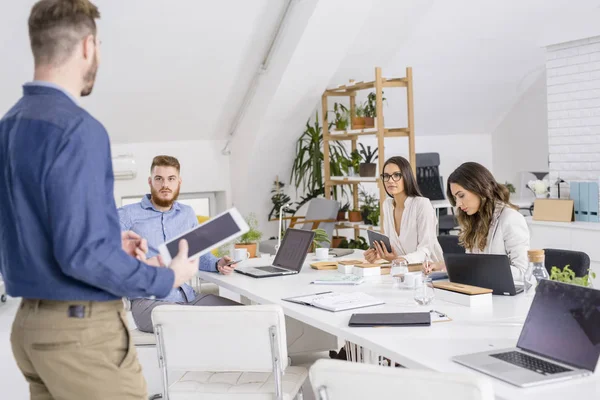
pixel 471 329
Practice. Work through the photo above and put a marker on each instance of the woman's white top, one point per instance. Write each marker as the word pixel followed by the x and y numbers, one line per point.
pixel 508 235
pixel 418 233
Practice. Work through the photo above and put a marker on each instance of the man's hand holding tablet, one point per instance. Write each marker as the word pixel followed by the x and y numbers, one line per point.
pixel 183 268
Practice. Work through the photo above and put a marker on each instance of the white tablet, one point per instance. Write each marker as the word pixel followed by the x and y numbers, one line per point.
pixel 213 233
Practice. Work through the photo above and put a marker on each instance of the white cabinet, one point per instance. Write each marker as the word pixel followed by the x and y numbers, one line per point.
pixel 580 236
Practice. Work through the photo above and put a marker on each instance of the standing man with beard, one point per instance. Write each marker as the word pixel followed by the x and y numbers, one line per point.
pixel 159 218
pixel 60 243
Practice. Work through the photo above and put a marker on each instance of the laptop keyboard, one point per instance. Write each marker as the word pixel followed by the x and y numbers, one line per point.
pixel 271 269
pixel 530 363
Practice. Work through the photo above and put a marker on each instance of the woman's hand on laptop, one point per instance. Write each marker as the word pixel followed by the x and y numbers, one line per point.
pixel 223 267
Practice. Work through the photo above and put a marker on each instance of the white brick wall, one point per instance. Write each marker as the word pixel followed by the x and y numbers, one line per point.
pixel 573 79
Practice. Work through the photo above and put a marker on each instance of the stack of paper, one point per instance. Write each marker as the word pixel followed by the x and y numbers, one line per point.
pixel 339 279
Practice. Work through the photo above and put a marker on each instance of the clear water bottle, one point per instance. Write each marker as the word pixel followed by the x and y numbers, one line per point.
pixel 536 270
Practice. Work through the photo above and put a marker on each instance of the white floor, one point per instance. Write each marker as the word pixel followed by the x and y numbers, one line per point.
pixel 14 387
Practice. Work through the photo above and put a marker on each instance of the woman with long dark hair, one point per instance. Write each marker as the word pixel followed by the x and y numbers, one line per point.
pixel 489 222
pixel 409 218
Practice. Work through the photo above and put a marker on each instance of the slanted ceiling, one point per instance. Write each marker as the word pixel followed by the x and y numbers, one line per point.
pixel 177 70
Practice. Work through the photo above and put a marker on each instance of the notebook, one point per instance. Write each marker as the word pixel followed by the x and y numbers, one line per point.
pixel 391 319
pixel 332 301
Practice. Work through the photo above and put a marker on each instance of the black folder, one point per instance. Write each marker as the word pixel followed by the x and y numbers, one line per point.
pixel 391 319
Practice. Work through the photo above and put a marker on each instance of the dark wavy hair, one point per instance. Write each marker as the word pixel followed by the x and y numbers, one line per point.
pixel 478 180
pixel 411 188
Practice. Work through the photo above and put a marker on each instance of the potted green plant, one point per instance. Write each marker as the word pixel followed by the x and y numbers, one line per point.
pixel 341 117
pixel 370 109
pixel 342 212
pixel 307 170
pixel 250 239
pixel 374 214
pixel 368 168
pixel 358 119
pixel 369 204
pixel 320 238
pixel 354 215
pixel 568 276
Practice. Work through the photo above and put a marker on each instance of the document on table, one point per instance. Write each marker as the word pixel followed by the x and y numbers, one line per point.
pixel 332 301
pixel 339 279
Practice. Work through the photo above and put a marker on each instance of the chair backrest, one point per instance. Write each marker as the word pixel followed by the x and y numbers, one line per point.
pixel 320 208
pixel 428 176
pixel 219 338
pixel 578 261
pixel 340 380
pixel 449 244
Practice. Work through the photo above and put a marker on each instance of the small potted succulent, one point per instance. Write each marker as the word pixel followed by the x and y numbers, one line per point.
pixel 368 168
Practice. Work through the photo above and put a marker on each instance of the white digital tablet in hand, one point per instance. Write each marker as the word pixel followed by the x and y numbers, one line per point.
pixel 213 233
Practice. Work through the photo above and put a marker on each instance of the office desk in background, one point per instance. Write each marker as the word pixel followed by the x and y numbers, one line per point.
pixel 471 329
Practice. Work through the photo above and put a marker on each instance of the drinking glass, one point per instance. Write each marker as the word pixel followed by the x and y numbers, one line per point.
pixel 424 293
pixel 399 268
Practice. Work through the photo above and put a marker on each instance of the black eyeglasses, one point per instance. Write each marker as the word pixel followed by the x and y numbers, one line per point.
pixel 396 176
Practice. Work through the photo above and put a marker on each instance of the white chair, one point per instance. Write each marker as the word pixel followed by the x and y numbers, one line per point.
pixel 341 380
pixel 226 353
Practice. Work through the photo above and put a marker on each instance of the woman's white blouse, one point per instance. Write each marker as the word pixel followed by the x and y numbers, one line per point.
pixel 418 233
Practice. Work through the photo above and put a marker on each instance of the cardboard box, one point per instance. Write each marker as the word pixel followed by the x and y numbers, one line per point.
pixel 556 210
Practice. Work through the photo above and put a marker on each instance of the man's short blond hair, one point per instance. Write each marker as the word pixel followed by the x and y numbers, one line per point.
pixel 56 26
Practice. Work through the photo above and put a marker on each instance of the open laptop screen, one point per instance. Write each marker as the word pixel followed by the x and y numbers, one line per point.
pixel 293 249
pixel 564 324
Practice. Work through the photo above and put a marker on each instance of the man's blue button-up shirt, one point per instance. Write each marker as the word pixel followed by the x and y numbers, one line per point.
pixel 60 237
pixel 158 227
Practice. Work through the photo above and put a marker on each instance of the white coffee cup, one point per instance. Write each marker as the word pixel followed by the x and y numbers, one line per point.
pixel 240 254
pixel 322 253
pixel 411 279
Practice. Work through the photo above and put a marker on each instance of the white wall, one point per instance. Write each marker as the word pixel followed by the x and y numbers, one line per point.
pixel 453 149
pixel 520 142
pixel 573 71
pixel 203 168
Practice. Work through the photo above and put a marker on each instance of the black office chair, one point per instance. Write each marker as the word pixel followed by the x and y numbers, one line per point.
pixel 449 244
pixel 432 186
pixel 578 261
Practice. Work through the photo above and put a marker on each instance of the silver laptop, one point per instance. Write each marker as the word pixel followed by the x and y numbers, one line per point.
pixel 560 339
pixel 290 256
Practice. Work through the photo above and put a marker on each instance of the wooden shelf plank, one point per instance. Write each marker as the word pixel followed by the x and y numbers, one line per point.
pixel 349 180
pixel 353 134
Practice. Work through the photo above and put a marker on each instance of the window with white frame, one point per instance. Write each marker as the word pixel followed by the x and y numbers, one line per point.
pixel 202 203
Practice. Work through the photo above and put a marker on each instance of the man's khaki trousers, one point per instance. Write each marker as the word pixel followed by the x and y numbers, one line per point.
pixel 76 351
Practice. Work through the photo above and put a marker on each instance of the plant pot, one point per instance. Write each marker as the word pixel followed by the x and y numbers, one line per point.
pixel 369 122
pixel 336 241
pixel 355 216
pixel 367 169
pixel 358 122
pixel 250 248
pixel 341 216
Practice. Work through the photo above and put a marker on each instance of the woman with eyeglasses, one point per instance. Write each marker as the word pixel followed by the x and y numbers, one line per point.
pixel 409 218
pixel 489 223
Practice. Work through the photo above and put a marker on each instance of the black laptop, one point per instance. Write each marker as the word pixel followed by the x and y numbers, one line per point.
pixel 290 256
pixel 489 271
